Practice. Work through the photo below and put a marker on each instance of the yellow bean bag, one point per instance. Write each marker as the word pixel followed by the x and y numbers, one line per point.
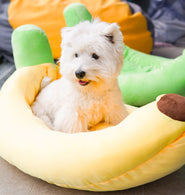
pixel 48 15
pixel 147 145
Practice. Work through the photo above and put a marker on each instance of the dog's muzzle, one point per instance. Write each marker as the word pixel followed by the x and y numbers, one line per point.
pixel 80 75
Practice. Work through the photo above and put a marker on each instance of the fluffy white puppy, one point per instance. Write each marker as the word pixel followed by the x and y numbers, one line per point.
pixel 88 91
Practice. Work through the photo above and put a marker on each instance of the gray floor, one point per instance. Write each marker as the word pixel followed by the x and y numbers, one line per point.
pixel 15 182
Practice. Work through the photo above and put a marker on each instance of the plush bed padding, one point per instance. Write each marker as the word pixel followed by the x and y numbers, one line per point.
pixel 117 158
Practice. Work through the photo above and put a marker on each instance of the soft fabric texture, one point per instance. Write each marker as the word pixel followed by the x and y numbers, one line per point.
pixel 76 12
pixel 30 46
pixel 46 8
pixel 49 16
pixel 168 17
pixel 114 158
pixel 144 77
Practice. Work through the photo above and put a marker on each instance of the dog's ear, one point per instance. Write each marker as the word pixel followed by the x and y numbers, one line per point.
pixel 65 31
pixel 111 32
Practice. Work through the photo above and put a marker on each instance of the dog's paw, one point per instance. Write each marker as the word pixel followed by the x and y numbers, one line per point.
pixel 69 121
pixel 116 117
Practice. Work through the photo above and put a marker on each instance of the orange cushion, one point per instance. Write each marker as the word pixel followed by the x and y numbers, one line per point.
pixel 48 15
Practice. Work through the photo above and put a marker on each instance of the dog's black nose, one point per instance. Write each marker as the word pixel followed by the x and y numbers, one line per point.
pixel 80 74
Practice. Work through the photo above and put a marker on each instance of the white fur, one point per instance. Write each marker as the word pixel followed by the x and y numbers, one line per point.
pixel 65 105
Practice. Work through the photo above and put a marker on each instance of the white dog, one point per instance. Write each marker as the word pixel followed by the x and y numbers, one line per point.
pixel 88 91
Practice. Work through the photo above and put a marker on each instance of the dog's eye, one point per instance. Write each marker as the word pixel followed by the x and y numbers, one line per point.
pixel 95 56
pixel 76 55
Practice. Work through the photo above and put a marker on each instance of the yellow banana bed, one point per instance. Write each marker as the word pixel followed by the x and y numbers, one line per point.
pixel 147 145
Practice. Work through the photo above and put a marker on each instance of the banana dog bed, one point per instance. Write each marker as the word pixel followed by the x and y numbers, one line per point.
pixel 147 145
